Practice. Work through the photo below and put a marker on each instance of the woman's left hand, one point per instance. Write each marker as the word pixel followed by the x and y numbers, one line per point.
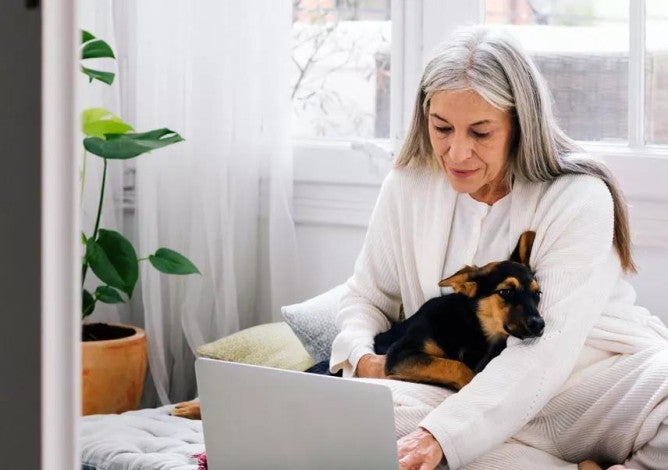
pixel 419 450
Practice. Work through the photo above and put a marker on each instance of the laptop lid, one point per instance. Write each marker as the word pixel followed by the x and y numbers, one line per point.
pixel 261 418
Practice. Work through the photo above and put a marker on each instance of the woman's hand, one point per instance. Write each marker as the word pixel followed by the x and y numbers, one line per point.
pixel 371 366
pixel 419 450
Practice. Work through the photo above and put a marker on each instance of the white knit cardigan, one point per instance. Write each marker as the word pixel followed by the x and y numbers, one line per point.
pixel 585 299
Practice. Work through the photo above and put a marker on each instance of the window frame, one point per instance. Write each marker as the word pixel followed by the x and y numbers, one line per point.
pixel 418 26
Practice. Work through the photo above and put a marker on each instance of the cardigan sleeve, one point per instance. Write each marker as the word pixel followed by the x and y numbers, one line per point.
pixel 373 300
pixel 577 268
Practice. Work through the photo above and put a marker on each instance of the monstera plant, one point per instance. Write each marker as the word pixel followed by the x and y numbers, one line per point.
pixel 109 387
pixel 109 254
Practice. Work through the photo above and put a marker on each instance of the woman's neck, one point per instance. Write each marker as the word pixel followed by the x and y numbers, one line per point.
pixel 491 192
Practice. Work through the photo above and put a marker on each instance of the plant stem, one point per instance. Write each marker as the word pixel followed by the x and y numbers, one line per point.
pixel 83 178
pixel 84 268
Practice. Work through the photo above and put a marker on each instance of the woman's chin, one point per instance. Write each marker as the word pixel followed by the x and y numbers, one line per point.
pixel 463 187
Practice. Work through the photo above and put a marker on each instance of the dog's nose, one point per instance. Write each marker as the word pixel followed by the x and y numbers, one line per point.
pixel 535 325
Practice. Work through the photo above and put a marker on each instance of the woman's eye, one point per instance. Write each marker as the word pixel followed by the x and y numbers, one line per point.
pixel 480 135
pixel 442 130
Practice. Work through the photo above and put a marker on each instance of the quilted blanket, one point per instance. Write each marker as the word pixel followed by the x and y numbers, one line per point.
pixel 147 439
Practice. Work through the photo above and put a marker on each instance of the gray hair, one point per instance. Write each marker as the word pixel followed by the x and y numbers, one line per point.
pixel 493 64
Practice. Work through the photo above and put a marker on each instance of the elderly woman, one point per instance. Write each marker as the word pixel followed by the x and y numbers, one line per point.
pixel 484 161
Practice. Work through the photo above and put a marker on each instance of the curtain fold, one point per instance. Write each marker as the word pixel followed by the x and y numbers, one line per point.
pixel 218 74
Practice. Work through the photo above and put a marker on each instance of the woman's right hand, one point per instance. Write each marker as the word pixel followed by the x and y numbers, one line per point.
pixel 371 366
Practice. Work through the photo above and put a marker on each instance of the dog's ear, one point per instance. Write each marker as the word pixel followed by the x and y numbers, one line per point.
pixel 461 282
pixel 522 251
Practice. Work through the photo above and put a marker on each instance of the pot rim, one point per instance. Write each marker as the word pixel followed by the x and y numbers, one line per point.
pixel 138 335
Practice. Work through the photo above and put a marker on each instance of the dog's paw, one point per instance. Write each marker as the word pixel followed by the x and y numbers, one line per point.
pixel 187 409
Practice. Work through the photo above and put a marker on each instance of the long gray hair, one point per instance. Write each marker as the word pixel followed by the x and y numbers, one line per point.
pixel 493 64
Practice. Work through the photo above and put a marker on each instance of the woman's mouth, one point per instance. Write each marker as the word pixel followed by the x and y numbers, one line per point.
pixel 462 173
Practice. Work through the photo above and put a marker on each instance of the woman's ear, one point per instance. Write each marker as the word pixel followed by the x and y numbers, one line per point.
pixel 522 251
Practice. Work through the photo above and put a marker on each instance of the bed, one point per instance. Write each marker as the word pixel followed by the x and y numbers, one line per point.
pixel 152 439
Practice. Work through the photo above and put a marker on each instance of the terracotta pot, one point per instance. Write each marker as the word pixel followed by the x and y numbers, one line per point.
pixel 113 373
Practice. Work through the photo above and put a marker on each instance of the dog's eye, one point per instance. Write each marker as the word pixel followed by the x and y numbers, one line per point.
pixel 505 293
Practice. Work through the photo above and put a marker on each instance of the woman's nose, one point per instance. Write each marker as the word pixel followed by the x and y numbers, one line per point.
pixel 460 148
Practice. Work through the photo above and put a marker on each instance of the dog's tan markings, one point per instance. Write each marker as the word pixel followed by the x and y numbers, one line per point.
pixel 522 251
pixel 469 289
pixel 432 349
pixel 526 242
pixel 459 277
pixel 509 283
pixel 467 269
pixel 534 287
pixel 492 314
pixel 461 283
pixel 488 268
pixel 436 370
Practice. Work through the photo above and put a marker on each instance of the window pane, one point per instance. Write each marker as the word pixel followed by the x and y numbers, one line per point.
pixel 582 49
pixel 656 66
pixel 341 86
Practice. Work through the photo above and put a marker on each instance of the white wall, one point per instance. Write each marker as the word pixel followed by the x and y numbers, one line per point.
pixel 651 282
pixel 326 256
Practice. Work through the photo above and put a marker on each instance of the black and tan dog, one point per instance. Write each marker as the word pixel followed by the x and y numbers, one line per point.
pixel 453 337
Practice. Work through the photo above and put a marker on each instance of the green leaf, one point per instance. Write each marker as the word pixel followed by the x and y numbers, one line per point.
pixel 124 146
pixel 108 295
pixel 170 262
pixel 84 238
pixel 96 122
pixel 97 49
pixel 86 36
pixel 114 260
pixel 87 304
pixel 99 262
pixel 106 77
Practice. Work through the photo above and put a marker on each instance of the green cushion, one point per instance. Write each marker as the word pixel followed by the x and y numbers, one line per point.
pixel 271 345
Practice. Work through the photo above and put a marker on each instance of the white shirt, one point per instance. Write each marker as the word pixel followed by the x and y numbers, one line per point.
pixel 479 234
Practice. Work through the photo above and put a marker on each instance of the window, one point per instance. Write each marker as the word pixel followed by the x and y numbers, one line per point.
pixel 599 57
pixel 656 66
pixel 606 62
pixel 341 85
pixel 582 50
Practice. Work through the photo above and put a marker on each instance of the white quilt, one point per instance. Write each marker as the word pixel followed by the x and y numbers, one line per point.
pixel 147 439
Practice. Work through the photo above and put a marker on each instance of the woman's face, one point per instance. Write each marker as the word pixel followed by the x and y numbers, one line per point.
pixel 472 139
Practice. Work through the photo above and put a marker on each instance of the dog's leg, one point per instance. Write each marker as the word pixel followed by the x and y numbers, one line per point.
pixel 421 367
pixel 187 409
pixel 493 350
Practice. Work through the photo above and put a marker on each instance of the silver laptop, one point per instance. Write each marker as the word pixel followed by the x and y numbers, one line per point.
pixel 261 418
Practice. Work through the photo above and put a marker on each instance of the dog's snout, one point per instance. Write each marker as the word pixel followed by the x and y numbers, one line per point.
pixel 535 325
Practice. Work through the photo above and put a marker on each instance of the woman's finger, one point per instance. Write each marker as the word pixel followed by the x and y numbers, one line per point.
pixel 409 461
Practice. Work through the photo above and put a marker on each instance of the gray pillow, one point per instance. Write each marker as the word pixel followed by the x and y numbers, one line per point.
pixel 313 321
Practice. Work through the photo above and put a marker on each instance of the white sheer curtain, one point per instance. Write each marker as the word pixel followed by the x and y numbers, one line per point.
pixel 98 19
pixel 217 72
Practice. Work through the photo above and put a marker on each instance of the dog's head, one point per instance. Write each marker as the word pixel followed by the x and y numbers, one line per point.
pixel 506 292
